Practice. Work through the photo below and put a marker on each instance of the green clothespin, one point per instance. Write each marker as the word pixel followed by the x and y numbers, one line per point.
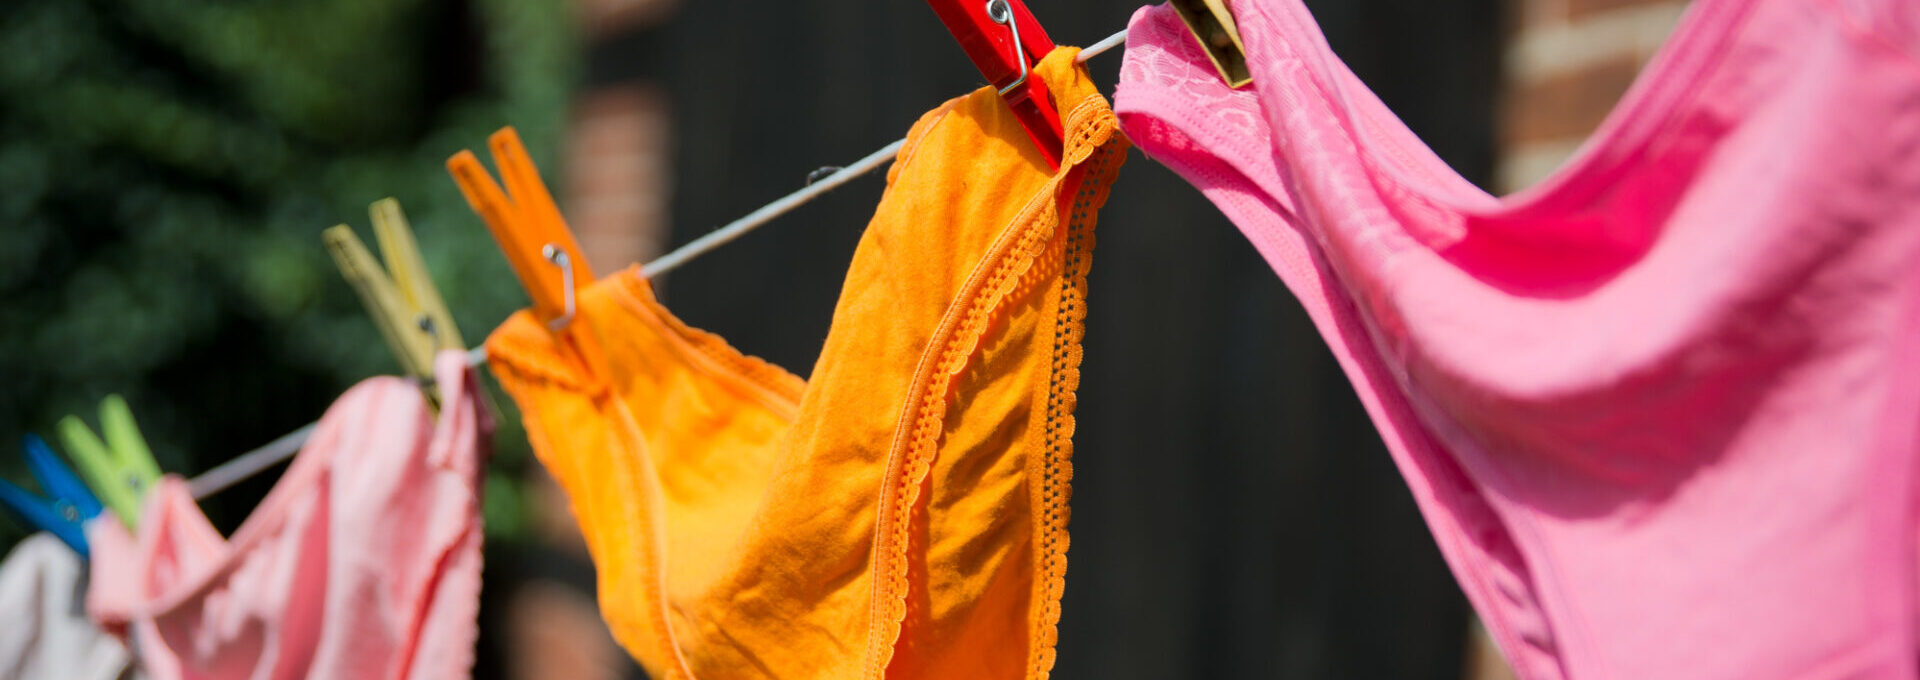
pixel 120 469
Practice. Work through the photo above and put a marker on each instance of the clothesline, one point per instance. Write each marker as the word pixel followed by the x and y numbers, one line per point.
pixel 753 220
pixel 253 462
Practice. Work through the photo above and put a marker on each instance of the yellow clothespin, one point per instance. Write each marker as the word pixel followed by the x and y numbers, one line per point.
pixel 406 306
pixel 1212 24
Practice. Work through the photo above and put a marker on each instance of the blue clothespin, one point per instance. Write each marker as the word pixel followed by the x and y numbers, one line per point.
pixel 69 508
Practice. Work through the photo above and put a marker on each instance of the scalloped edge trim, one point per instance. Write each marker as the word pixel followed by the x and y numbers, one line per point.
pixel 1055 476
pixel 915 440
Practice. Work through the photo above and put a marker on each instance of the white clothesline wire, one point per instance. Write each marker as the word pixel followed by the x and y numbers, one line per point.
pixel 753 220
pixel 253 462
pixel 250 463
pixel 1117 39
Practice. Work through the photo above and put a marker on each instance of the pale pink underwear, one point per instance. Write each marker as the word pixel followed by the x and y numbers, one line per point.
pixel 363 562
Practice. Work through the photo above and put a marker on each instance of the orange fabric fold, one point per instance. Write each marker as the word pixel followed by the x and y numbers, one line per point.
pixel 901 514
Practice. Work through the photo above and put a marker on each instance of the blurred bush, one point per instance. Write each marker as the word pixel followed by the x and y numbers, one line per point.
pixel 168 166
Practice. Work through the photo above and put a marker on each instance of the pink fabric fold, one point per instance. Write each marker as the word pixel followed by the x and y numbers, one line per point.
pixel 363 562
pixel 1661 412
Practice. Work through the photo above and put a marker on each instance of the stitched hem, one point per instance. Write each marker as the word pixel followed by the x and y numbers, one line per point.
pixel 1052 483
pixel 1001 273
pixel 649 511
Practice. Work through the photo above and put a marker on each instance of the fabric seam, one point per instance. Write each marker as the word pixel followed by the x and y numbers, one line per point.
pixel 1057 467
pixel 957 338
pixel 764 381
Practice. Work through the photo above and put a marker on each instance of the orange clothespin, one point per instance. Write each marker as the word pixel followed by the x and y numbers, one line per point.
pixel 1005 41
pixel 527 224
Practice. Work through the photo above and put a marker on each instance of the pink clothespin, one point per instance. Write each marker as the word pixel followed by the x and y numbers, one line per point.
pixel 1004 42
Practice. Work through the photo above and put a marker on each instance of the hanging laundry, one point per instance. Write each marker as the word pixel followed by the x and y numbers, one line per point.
pixel 363 562
pixel 903 513
pixel 1660 411
pixel 47 635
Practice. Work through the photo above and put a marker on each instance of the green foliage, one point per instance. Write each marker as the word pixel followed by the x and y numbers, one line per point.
pixel 168 166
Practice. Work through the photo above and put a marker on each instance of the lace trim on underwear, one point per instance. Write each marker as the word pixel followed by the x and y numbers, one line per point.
pixel 1093 128
pixel 1053 486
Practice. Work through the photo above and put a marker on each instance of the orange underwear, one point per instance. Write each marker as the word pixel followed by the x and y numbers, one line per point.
pixel 901 514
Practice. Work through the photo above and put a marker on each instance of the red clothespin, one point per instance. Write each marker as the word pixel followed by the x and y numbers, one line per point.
pixel 1004 42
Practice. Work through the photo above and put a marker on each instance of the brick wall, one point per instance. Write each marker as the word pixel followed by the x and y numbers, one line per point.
pixel 618 149
pixel 1566 64
pixel 617 173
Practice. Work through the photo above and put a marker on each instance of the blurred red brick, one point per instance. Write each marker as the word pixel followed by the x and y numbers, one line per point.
pixel 1564 107
pixel 617 168
pixel 557 633
pixel 600 18
pixel 1567 65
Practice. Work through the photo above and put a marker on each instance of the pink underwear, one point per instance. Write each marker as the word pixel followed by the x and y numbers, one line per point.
pixel 363 562
pixel 1660 411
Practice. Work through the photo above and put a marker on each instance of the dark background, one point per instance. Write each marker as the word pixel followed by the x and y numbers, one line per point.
pixel 1234 512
